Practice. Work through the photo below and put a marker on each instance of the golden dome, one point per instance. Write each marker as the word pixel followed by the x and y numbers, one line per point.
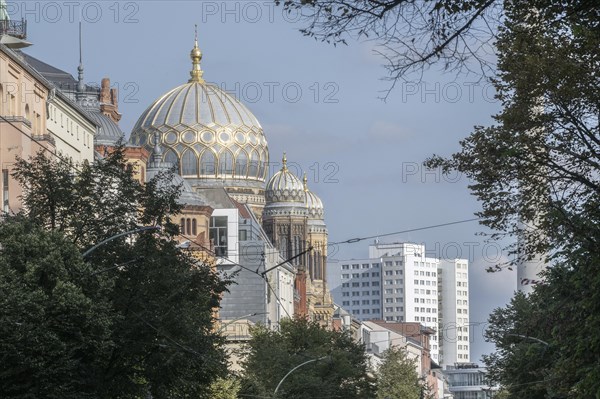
pixel 211 135
pixel 314 205
pixel 284 186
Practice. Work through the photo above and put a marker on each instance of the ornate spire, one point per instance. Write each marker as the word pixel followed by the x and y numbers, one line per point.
pixel 157 151
pixel 305 181
pixel 196 56
pixel 80 83
pixel 284 160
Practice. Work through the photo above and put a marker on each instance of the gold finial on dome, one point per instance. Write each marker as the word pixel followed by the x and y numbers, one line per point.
pixel 284 160
pixel 305 181
pixel 196 56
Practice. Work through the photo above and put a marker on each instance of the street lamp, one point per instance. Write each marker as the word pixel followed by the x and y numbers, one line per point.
pixel 138 230
pixel 296 368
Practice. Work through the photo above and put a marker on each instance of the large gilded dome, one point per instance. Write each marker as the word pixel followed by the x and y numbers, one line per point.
pixel 213 137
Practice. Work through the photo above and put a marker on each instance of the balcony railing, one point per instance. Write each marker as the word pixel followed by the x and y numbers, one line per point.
pixel 16 29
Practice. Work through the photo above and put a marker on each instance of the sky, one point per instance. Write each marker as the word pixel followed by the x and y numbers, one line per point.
pixel 319 103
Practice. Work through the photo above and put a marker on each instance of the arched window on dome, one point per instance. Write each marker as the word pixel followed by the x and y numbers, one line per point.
pixel 241 164
pixel 208 163
pixel 172 158
pixel 189 164
pixel 2 101
pixel 226 163
pixel 253 169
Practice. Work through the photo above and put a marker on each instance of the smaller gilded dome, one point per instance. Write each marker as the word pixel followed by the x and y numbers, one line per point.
pixel 314 205
pixel 284 186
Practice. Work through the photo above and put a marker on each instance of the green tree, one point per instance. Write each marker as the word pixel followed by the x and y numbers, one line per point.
pixel 397 376
pixel 160 301
pixel 547 342
pixel 272 354
pixel 224 388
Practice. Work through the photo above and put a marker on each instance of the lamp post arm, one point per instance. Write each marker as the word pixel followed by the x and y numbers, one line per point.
pixel 528 337
pixel 294 369
pixel 139 230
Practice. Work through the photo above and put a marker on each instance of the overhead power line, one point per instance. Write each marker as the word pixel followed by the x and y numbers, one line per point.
pixel 358 239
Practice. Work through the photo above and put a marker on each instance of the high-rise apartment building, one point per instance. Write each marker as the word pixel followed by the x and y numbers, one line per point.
pixel 398 282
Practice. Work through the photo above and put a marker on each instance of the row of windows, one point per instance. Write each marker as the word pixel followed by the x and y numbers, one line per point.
pixel 461 302
pixel 392 272
pixel 391 309
pixel 425 292
pixel 462 311
pixel 461 275
pixel 426 274
pixel 188 226
pixel 365 311
pixel 425 282
pixel 427 319
pixel 392 282
pixel 462 293
pixel 425 310
pixel 392 290
pixel 463 347
pixel 392 300
pixel 461 284
pixel 425 264
pixel 357 275
pixel 423 300
pixel 364 266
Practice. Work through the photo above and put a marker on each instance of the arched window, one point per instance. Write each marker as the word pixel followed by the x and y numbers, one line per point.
pixel 225 162
pixel 207 163
pixel 2 100
pixel 253 169
pixel 189 163
pixel 171 157
pixel 241 164
pixel 182 226
pixel 188 227
pixel 194 228
pixel 27 113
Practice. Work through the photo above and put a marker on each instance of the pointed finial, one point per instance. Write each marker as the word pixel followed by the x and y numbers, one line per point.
pixel 196 56
pixel 157 150
pixel 284 160
pixel 305 181
pixel 80 84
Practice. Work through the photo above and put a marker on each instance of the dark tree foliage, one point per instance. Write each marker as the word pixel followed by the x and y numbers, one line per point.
pixel 272 354
pixel 547 343
pixel 142 307
pixel 536 172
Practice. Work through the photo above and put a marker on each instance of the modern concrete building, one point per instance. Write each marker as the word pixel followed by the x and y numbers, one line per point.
pixel 399 283
pixel 468 381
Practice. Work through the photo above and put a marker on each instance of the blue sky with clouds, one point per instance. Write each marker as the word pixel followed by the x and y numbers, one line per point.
pixel 317 102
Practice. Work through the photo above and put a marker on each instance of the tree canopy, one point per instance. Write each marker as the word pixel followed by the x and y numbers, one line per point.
pixel 135 317
pixel 397 376
pixel 340 372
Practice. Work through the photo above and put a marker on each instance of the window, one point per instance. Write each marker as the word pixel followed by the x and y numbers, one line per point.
pixel 388 263
pixel 416 300
pixel 400 309
pixel 345 294
pixel 375 311
pixel 399 290
pixel 357 284
pixel 400 272
pixel 389 300
pixel 345 285
pixel 355 266
pixel 376 265
pixel 5 203
pixel 389 291
pixel 345 276
pixel 366 274
pixel 365 284
pixel 375 274
pixel 416 282
pixel 375 284
pixel 365 266
pixel 399 281
pixel 355 293
pixel 376 292
pixel 346 303
pixel 218 234
pixel 389 282
pixel 366 302
pixel 389 272
pixel 355 275
pixel 365 292
pixel 389 310
pixel 345 267
pixel 189 163
pixel 355 303
pixel 366 311
pixel 375 302
pixel 398 263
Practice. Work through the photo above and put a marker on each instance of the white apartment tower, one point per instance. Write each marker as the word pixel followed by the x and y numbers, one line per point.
pixel 398 282
pixel 453 286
